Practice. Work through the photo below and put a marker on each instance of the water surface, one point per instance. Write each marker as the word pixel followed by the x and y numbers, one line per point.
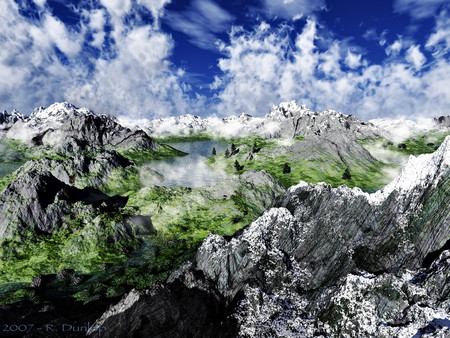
pixel 190 170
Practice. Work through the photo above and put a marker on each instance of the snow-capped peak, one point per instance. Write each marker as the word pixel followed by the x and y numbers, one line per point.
pixel 59 110
pixel 286 110
pixel 419 171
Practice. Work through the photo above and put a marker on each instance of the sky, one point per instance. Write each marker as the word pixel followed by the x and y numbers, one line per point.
pixel 159 58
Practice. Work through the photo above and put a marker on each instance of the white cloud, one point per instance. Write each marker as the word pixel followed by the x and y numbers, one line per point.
pixel 372 35
pixel 352 60
pixel 117 8
pixel 419 9
pixel 40 3
pixel 439 41
pixel 415 56
pixel 394 48
pixel 155 7
pixel 69 44
pixel 97 21
pixel 292 9
pixel 201 22
pixel 135 78
pixel 319 77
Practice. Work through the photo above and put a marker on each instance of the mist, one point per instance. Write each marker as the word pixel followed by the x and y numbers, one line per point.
pixel 190 170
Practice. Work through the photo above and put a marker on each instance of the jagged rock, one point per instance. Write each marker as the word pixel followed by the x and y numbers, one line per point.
pixel 39 202
pixel 167 311
pixel 40 281
pixel 65 274
pixel 67 128
pixel 295 120
pixel 328 261
pixel 7 120
pixel 80 170
pixel 443 121
pixel 286 120
pixel 337 147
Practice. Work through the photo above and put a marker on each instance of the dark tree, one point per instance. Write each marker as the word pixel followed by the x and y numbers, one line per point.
pixel 237 166
pixel 227 153
pixel 402 146
pixel 286 169
pixel 233 147
pixel 214 152
pixel 255 148
pixel 346 175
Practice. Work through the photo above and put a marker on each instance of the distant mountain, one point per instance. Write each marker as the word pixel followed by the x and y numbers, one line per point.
pixel 68 128
pixel 323 261
pixel 286 120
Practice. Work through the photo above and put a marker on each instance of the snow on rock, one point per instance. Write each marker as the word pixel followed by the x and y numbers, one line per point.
pixel 68 128
pixel 423 170
pixel 326 261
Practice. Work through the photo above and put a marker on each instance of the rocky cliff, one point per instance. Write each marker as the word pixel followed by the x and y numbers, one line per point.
pixel 322 262
pixel 67 128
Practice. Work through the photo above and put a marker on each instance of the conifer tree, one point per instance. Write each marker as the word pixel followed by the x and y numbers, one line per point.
pixel 346 175
pixel 286 169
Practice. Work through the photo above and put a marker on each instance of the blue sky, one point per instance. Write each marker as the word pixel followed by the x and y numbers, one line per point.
pixel 156 58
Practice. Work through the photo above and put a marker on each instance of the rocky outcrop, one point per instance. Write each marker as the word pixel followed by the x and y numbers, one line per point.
pixel 287 120
pixel 7 120
pixel 81 170
pixel 296 120
pixel 67 128
pixel 329 261
pixel 40 203
pixel 333 147
pixel 442 121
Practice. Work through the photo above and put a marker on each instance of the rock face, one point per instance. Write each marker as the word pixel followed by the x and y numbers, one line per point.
pixel 80 170
pixel 287 120
pixel 333 147
pixel 443 121
pixel 70 129
pixel 7 120
pixel 324 262
pixel 40 203
pixel 296 120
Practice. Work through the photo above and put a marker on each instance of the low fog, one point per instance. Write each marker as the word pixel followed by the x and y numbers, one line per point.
pixel 190 170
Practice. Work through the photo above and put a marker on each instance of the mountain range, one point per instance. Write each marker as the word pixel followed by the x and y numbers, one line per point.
pixel 326 226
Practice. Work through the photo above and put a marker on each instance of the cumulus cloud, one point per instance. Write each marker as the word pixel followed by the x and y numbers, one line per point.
pixel 263 67
pixel 201 22
pixel 394 48
pixel 353 60
pixel 415 57
pixel 419 9
pixel 104 62
pixel 292 9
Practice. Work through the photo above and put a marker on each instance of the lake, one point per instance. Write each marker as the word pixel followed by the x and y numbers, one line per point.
pixel 190 170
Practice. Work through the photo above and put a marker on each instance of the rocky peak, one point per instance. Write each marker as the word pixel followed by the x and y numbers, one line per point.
pixel 6 120
pixel 68 128
pixel 287 110
pixel 59 110
pixel 442 121
pixel 419 172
